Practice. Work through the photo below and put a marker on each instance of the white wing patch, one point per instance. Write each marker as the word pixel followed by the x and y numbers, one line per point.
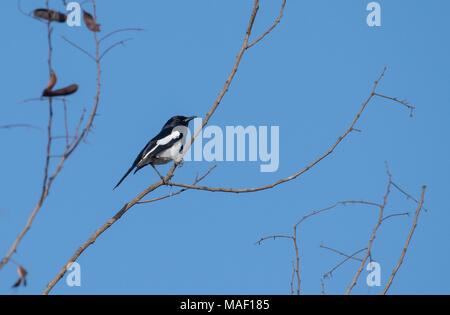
pixel 174 135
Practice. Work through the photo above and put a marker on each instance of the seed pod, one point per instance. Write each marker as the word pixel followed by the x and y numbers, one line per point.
pixel 90 22
pixel 50 15
pixel 61 92
pixel 22 277
pixel 52 82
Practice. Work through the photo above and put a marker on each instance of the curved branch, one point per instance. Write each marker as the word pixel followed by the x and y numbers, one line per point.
pixel 137 29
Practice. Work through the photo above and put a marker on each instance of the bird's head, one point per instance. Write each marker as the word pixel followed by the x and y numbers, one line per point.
pixel 178 121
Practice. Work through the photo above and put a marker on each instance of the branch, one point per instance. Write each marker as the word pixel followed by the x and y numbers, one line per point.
pixel 197 180
pixel 307 168
pixel 48 180
pixel 79 48
pixel 122 42
pixel 372 238
pixel 278 20
pixel 403 102
pixel 408 240
pixel 19 126
pixel 137 29
pixel 408 196
pixel 348 257
pixel 343 254
pixel 44 192
pixel 293 237
pixel 170 174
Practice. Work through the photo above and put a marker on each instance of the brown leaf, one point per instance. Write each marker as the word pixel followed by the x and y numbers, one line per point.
pixel 50 15
pixel 61 92
pixel 22 274
pixel 90 22
pixel 17 283
pixel 52 82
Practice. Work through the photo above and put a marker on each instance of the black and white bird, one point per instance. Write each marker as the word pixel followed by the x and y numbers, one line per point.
pixel 163 148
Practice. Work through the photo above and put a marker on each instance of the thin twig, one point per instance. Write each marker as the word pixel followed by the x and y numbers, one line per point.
pixel 20 126
pixel 374 232
pixel 408 196
pixel 349 257
pixel 79 48
pixel 197 180
pixel 278 20
pixel 137 29
pixel 121 42
pixel 341 253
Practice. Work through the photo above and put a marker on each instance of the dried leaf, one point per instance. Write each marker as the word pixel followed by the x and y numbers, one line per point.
pixel 52 82
pixel 61 92
pixel 17 283
pixel 22 272
pixel 22 277
pixel 50 15
pixel 90 22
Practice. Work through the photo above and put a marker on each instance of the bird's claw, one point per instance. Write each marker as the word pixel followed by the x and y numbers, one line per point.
pixel 179 163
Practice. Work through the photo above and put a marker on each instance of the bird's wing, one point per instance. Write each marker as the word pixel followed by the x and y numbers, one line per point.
pixel 164 140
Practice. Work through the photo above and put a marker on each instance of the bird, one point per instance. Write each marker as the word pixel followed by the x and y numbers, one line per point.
pixel 164 147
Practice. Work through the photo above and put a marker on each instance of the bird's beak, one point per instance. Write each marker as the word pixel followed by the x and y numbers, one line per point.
pixel 188 119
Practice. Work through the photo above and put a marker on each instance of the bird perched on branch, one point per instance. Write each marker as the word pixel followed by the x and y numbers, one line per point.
pixel 163 148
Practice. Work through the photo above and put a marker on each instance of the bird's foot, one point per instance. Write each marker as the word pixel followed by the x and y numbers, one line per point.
pixel 159 174
pixel 179 163
pixel 164 180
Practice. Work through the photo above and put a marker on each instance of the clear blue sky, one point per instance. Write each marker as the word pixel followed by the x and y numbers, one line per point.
pixel 309 77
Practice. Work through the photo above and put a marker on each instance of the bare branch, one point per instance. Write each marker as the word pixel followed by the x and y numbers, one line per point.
pixel 372 238
pixel 122 42
pixel 197 180
pixel 408 240
pixel 137 29
pixel 294 176
pixel 403 102
pixel 343 254
pixel 348 257
pixel 278 20
pixel 408 196
pixel 293 236
pixel 79 48
pixel 20 126
pixel 160 183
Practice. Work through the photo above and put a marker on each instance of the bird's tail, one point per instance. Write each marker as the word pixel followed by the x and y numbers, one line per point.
pixel 124 176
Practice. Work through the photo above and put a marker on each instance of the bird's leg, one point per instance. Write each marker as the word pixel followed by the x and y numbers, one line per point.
pixel 179 163
pixel 162 177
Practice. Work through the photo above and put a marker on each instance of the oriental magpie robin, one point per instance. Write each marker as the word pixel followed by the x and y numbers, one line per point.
pixel 163 148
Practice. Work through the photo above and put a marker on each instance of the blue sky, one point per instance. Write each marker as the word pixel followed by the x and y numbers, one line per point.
pixel 309 77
